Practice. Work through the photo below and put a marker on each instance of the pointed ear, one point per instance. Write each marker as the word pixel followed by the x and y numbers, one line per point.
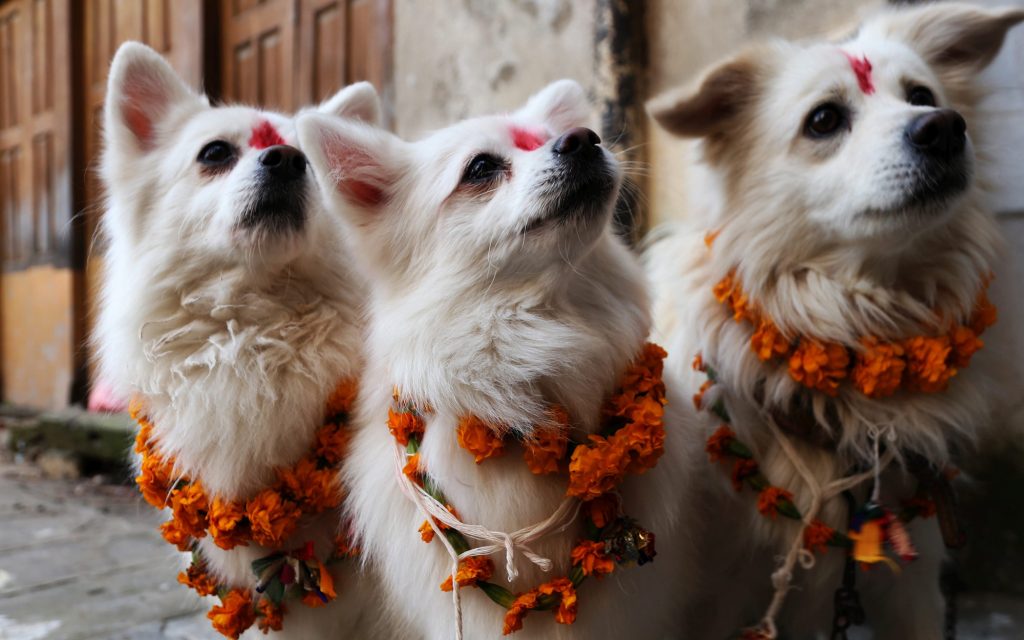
pixel 352 160
pixel 142 91
pixel 952 36
pixel 358 101
pixel 560 106
pixel 721 95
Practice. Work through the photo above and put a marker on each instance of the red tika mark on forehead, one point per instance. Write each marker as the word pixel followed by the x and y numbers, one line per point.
pixel 527 140
pixel 862 69
pixel 265 135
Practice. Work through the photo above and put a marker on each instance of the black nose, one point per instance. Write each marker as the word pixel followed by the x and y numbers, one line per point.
pixel 575 140
pixel 941 132
pixel 283 161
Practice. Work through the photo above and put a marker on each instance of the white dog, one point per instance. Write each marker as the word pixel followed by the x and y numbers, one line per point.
pixel 836 305
pixel 499 293
pixel 229 309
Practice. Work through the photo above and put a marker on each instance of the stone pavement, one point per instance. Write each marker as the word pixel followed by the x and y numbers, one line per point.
pixel 81 559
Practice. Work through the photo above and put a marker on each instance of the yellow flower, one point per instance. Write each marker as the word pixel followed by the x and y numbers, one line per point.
pixel 403 425
pixel 316 488
pixel 228 527
pixel 768 342
pixel 189 506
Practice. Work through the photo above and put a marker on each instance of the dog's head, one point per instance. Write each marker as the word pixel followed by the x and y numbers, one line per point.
pixel 207 184
pixel 513 193
pixel 861 140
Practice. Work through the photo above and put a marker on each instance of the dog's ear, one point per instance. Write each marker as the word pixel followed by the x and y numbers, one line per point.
pixel 358 101
pixel 352 160
pixel 142 91
pixel 560 106
pixel 953 36
pixel 722 94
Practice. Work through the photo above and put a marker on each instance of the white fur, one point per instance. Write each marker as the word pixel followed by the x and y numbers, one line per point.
pixel 795 222
pixel 473 314
pixel 232 338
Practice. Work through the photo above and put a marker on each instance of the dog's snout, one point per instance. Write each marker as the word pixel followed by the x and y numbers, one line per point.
pixel 941 132
pixel 284 161
pixel 576 140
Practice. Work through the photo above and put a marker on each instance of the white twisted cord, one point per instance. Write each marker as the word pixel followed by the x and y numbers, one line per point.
pixel 783 576
pixel 436 513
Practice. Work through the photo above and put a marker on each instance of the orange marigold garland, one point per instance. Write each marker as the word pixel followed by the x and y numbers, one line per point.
pixel 268 518
pixel 632 442
pixel 877 369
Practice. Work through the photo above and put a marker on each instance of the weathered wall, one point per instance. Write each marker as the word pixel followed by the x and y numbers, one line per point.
pixel 459 58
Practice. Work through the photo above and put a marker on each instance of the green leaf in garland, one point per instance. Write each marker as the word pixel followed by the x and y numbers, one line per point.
pixel 497 593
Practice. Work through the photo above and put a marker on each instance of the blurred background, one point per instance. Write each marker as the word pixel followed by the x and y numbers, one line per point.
pixel 79 556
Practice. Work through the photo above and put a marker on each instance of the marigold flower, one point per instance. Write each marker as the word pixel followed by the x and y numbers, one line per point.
pixel 698 398
pixel 343 547
pixel 742 469
pixel 602 510
pixel 234 615
pixel 189 506
pixel 197 579
pixel 272 517
pixel 964 343
pixel 307 484
pixel 643 440
pixel 426 532
pixel 818 365
pixel 145 433
pixel 927 366
pixel 227 527
pixel 710 237
pixel 342 398
pixel 523 603
pixel 817 536
pixel 154 481
pixel 729 292
pixel 879 369
pixel 173 533
pixel 411 469
pixel 717 446
pixel 331 443
pixel 403 425
pixel 566 613
pixel 769 500
pixel 478 438
pixel 471 570
pixel 545 452
pixel 984 315
pixel 596 468
pixel 591 558
pixel 271 616
pixel 698 363
pixel 768 342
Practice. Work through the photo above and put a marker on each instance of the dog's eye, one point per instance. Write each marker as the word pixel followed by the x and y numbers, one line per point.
pixel 216 153
pixel 825 121
pixel 921 97
pixel 484 168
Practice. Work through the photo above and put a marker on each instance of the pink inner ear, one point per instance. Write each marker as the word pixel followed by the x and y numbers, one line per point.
pixel 862 69
pixel 528 140
pixel 138 123
pixel 265 135
pixel 352 170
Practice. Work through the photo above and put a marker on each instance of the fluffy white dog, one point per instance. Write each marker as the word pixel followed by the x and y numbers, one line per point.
pixel 228 306
pixel 499 291
pixel 836 305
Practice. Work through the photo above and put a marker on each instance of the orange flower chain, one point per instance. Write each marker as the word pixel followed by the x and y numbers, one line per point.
pixel 876 368
pixel 267 519
pixel 632 441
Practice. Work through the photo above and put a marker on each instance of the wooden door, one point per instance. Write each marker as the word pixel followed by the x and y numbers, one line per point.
pixel 37 319
pixel 285 54
pixel 175 29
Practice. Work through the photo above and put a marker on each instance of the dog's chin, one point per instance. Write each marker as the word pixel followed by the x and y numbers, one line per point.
pixel 577 206
pixel 270 234
pixel 924 202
